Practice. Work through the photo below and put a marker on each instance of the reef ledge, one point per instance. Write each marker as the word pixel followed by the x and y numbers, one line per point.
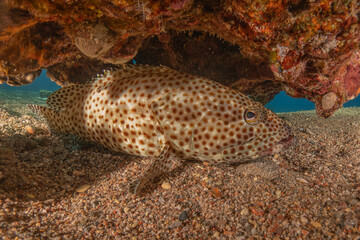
pixel 310 49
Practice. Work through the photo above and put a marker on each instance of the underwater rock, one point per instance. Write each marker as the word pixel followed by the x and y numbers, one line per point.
pixel 123 51
pixel 308 48
pixel 328 100
pixel 22 143
pixel 21 79
pixel 93 41
pixel 76 69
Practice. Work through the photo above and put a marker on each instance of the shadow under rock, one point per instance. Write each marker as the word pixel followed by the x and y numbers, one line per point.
pixel 46 169
pixel 54 167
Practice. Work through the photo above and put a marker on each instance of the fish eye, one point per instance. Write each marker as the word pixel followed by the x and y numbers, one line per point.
pixel 251 116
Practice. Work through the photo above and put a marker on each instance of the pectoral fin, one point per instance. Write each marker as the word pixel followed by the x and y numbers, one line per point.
pixel 161 165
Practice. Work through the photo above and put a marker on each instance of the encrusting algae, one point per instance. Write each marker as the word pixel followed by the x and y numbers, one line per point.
pixel 159 112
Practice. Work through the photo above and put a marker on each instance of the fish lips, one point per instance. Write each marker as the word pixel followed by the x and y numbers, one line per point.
pixel 281 145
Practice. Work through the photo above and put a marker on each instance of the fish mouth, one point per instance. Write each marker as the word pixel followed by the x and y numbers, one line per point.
pixel 286 142
pixel 281 145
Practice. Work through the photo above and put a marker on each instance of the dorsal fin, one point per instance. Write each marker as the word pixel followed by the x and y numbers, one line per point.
pixel 132 70
pixel 63 97
pixel 128 71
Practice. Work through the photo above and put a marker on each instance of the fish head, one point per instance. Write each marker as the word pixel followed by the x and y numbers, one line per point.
pixel 261 133
pixel 223 130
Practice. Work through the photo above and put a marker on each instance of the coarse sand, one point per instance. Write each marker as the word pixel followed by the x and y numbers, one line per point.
pixel 55 187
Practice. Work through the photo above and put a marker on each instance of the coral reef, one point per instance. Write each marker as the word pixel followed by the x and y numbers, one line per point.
pixel 307 48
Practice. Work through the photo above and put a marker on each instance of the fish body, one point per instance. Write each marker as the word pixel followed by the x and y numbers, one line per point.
pixel 162 113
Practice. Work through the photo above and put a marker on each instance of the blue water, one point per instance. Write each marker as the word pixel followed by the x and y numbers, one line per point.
pixel 40 83
pixel 284 103
pixel 281 102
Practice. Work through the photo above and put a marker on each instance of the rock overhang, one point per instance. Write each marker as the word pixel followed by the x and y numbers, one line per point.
pixel 307 48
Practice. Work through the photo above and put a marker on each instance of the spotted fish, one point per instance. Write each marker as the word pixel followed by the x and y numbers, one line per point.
pixel 158 112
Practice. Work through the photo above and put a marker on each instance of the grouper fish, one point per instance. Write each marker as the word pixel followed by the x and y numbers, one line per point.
pixel 154 111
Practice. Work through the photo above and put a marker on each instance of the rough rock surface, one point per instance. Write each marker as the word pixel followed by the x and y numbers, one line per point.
pixel 307 48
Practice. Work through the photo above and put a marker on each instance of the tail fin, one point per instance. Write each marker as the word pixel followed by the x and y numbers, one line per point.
pixel 51 116
pixel 39 109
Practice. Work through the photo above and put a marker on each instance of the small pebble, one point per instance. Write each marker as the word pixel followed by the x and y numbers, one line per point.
pixel 135 224
pixel 216 192
pixel 83 188
pixel 216 234
pixel 316 224
pixel 278 193
pixel 30 130
pixel 305 232
pixel 222 223
pixel 161 200
pixel 229 233
pixel 302 180
pixel 30 195
pixel 176 224
pixel 240 238
pixel 244 211
pixel 166 185
pixel 77 173
pixel 304 220
pixel 183 216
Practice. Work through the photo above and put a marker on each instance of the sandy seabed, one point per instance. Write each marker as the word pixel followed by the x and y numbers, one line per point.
pixel 54 187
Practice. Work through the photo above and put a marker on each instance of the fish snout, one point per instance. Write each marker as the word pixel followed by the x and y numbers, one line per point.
pixel 288 139
pixel 285 140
